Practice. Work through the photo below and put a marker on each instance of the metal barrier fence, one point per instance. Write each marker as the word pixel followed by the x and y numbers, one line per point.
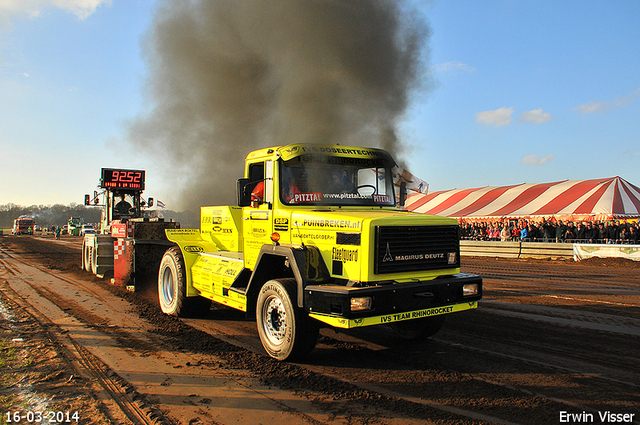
pixel 515 249
pixel 551 250
pixel 554 240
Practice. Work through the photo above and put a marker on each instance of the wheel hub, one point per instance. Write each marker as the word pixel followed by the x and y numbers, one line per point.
pixel 167 286
pixel 275 320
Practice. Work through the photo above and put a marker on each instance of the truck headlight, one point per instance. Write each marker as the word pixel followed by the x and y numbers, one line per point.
pixel 361 304
pixel 470 290
pixel 452 258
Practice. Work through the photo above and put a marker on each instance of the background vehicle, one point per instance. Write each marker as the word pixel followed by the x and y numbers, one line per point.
pixel 319 238
pixel 74 225
pixel 87 229
pixel 23 225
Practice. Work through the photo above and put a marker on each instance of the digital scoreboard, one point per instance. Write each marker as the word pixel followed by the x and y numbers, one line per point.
pixel 114 178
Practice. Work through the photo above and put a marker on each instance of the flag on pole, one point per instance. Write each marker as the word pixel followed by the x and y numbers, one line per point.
pixel 414 184
pixel 160 204
pixel 400 175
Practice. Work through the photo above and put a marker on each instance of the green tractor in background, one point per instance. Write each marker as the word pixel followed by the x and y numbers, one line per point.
pixel 74 225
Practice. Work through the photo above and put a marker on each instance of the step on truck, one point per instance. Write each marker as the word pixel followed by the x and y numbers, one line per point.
pixel 129 245
pixel 319 238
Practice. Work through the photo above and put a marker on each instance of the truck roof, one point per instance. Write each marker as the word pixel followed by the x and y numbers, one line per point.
pixel 291 151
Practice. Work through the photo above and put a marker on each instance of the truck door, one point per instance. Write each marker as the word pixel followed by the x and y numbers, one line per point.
pixel 257 219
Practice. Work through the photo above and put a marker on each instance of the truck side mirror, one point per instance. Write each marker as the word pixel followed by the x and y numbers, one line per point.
pixel 403 193
pixel 150 202
pixel 244 196
pixel 95 197
pixel 87 199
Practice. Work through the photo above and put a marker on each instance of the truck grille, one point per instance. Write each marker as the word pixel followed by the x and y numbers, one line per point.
pixel 416 248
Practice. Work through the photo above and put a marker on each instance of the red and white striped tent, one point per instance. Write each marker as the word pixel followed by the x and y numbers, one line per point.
pixel 598 199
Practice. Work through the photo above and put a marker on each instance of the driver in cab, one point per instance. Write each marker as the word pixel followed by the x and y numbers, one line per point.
pixel 257 194
pixel 123 207
pixel 340 181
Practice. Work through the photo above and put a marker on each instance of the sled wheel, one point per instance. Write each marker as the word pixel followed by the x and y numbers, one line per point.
pixel 86 256
pixel 286 332
pixel 93 262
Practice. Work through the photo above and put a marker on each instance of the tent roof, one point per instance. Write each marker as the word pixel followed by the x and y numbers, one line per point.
pixel 610 197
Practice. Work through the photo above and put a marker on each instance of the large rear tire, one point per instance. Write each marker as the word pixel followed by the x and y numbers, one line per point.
pixel 93 259
pixel 172 288
pixel 286 332
pixel 86 256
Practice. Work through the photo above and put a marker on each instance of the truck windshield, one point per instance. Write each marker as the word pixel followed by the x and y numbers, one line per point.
pixel 334 180
pixel 125 205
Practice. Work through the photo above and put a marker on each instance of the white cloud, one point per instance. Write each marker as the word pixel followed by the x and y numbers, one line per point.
pixel 498 118
pixel 604 106
pixel 535 160
pixel 535 117
pixel 33 8
pixel 81 8
pixel 454 67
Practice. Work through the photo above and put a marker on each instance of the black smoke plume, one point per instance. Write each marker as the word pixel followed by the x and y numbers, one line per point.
pixel 230 76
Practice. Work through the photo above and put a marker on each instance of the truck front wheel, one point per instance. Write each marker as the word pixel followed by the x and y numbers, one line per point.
pixel 286 332
pixel 172 288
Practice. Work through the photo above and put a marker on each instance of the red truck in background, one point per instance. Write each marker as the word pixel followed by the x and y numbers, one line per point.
pixel 23 225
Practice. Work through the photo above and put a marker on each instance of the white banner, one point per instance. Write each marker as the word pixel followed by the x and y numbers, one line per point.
pixel 582 251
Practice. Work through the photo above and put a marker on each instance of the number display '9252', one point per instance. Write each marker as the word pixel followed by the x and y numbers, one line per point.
pixel 45 416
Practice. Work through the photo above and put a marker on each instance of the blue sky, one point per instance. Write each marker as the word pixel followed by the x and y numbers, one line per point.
pixel 529 91
pixel 522 91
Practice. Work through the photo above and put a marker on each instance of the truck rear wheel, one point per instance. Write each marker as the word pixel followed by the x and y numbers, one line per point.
pixel 419 328
pixel 94 259
pixel 286 332
pixel 86 256
pixel 172 288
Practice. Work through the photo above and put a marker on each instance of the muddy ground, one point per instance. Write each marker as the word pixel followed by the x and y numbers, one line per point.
pixel 34 359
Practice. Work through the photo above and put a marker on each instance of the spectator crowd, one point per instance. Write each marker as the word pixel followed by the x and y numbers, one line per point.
pixel 552 230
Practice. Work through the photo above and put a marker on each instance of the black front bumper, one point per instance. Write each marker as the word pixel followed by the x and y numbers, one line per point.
pixel 390 298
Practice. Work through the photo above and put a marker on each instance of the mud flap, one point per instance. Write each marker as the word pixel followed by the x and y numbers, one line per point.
pixel 123 251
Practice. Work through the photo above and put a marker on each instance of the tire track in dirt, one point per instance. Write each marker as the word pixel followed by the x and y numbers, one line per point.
pixel 489 362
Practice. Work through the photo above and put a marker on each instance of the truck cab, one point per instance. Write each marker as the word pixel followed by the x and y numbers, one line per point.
pixel 303 179
pixel 319 238
pixel 23 225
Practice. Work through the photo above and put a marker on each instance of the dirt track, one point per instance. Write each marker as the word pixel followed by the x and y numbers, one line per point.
pixel 549 337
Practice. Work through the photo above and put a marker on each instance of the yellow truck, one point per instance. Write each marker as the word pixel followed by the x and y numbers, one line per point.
pixel 319 238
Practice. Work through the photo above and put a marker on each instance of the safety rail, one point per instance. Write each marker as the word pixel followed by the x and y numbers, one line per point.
pixel 577 251
pixel 515 249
